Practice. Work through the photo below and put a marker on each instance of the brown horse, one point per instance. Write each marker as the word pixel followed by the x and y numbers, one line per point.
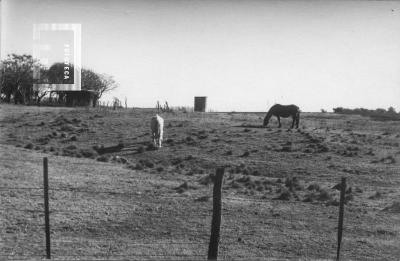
pixel 284 111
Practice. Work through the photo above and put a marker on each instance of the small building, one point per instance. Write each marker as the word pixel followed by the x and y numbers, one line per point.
pixel 200 103
pixel 77 98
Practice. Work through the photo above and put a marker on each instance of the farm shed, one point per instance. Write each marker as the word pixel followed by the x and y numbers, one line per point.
pixel 200 103
pixel 77 98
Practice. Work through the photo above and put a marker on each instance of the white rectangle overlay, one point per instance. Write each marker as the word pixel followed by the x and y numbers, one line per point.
pixel 38 46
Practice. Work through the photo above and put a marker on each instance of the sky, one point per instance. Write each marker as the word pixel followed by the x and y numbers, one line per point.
pixel 242 55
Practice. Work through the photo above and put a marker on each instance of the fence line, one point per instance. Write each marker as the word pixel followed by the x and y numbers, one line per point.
pixel 216 218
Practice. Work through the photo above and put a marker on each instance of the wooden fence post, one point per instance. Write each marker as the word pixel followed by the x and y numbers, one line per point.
pixel 46 206
pixel 341 212
pixel 216 217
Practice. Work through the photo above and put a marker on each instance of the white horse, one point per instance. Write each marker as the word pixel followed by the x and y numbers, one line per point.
pixel 157 130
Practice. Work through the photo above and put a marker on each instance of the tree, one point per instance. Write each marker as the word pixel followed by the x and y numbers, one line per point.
pixel 90 80
pixel 391 110
pixel 107 84
pixel 17 78
pixel 100 83
pixel 56 74
pixel 338 110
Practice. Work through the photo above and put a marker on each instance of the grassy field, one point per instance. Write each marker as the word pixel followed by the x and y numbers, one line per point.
pixel 113 196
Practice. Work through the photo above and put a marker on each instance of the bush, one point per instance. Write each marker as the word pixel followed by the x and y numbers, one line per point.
pixel 314 186
pixel 71 147
pixel 285 195
pixel 324 195
pixel 87 153
pixel 102 159
pixel 29 146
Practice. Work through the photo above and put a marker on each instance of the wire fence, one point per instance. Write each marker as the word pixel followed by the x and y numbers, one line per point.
pixel 148 227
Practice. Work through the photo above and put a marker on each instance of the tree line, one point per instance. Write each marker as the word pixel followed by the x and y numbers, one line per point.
pixel 378 114
pixel 17 79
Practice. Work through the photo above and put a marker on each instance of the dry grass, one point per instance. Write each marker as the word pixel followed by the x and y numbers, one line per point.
pixel 159 202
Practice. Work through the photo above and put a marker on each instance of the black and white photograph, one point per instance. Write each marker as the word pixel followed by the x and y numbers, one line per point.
pixel 199 130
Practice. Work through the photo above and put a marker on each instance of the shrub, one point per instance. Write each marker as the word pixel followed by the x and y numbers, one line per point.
pixel 71 147
pixel 147 163
pixel 138 166
pixel 87 153
pixel 314 186
pixel 102 159
pixel 324 195
pixel 293 184
pixel 207 179
pixel 29 146
pixel 285 195
pixel 149 147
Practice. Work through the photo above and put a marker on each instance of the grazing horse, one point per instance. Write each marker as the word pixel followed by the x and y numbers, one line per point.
pixel 284 111
pixel 157 126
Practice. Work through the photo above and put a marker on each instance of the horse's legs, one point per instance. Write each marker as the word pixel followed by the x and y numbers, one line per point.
pixel 297 120
pixel 294 119
pixel 279 121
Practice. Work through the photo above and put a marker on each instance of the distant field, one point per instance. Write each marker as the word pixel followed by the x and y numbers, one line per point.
pixel 115 197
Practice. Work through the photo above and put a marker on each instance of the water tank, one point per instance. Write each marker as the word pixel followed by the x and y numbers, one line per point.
pixel 200 103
